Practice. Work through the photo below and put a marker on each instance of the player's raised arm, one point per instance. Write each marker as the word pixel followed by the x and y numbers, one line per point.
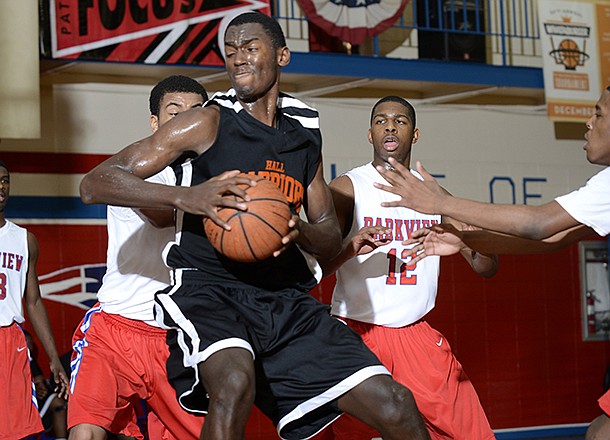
pixel 107 182
pixel 532 222
pixel 120 179
pixel 445 240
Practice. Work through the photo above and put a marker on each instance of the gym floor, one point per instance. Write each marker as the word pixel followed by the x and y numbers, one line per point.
pixel 555 432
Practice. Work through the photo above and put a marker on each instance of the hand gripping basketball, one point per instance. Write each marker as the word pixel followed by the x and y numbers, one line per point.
pixel 256 233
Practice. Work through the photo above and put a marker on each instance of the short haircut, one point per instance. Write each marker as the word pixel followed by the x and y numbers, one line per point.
pixel 173 84
pixel 3 165
pixel 271 27
pixel 406 104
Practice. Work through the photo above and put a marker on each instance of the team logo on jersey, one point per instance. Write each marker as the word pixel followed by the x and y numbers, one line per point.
pixel 9 260
pixel 292 188
pixel 401 228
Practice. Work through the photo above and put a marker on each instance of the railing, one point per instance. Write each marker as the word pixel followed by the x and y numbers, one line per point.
pixel 498 32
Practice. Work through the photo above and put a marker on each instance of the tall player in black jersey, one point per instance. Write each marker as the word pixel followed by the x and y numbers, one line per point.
pixel 250 333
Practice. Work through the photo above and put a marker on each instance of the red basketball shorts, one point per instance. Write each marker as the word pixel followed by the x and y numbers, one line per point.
pixel 117 363
pixel 420 358
pixel 604 403
pixel 16 386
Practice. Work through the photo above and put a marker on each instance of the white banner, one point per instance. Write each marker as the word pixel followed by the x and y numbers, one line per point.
pixel 573 39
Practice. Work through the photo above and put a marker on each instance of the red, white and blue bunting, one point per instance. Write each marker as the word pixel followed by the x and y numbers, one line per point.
pixel 353 21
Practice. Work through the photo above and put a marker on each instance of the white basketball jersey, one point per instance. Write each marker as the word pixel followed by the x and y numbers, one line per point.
pixel 590 205
pixel 135 269
pixel 382 287
pixel 14 257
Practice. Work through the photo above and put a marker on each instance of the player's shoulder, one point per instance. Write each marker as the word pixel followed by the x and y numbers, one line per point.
pixel 342 184
pixel 14 228
pixel 32 243
pixel 602 177
pixel 288 102
pixel 202 113
pixel 198 127
pixel 227 100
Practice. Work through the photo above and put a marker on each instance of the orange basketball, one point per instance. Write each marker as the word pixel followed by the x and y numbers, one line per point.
pixel 256 233
pixel 570 52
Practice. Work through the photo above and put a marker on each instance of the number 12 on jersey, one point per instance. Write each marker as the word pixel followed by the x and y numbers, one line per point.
pixel 405 278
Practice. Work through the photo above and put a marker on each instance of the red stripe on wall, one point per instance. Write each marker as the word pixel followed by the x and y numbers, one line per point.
pixel 52 163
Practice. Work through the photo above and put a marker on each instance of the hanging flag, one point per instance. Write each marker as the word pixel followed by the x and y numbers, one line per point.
pixel 143 32
pixel 575 56
pixel 353 21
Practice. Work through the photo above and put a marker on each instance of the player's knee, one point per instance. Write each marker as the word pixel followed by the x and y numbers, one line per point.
pixel 236 387
pixel 400 409
pixel 599 428
pixel 87 432
pixel 58 404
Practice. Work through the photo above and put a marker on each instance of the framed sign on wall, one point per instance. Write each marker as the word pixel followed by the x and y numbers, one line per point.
pixel 595 290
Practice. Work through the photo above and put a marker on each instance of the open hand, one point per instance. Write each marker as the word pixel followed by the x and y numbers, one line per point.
pixel 223 191
pixel 62 384
pixel 442 240
pixel 41 387
pixel 370 238
pixel 425 196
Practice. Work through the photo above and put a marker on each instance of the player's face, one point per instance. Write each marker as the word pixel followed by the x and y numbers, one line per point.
pixel 253 65
pixel 5 185
pixel 598 133
pixel 172 104
pixel 392 134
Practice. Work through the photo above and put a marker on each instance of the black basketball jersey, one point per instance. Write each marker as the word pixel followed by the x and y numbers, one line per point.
pixel 287 155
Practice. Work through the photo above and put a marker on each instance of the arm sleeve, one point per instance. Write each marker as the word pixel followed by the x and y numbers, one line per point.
pixel 590 205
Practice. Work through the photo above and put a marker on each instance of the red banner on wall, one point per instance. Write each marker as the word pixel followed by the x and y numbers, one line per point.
pixel 151 32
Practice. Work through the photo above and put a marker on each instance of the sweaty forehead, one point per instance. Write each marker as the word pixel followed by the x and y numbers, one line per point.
pixel 244 33
pixel 179 97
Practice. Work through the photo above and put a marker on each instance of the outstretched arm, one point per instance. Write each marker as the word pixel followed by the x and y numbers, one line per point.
pixel 120 179
pixel 533 222
pixel 483 263
pixel 447 240
pixel 37 313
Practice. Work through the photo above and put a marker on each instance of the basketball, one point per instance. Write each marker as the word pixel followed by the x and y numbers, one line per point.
pixel 256 233
pixel 571 54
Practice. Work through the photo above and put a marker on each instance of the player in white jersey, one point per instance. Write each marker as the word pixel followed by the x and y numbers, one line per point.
pixel 385 298
pixel 532 229
pixel 19 281
pixel 120 351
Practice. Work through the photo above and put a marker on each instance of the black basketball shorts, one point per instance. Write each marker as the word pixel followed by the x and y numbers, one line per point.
pixel 304 358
